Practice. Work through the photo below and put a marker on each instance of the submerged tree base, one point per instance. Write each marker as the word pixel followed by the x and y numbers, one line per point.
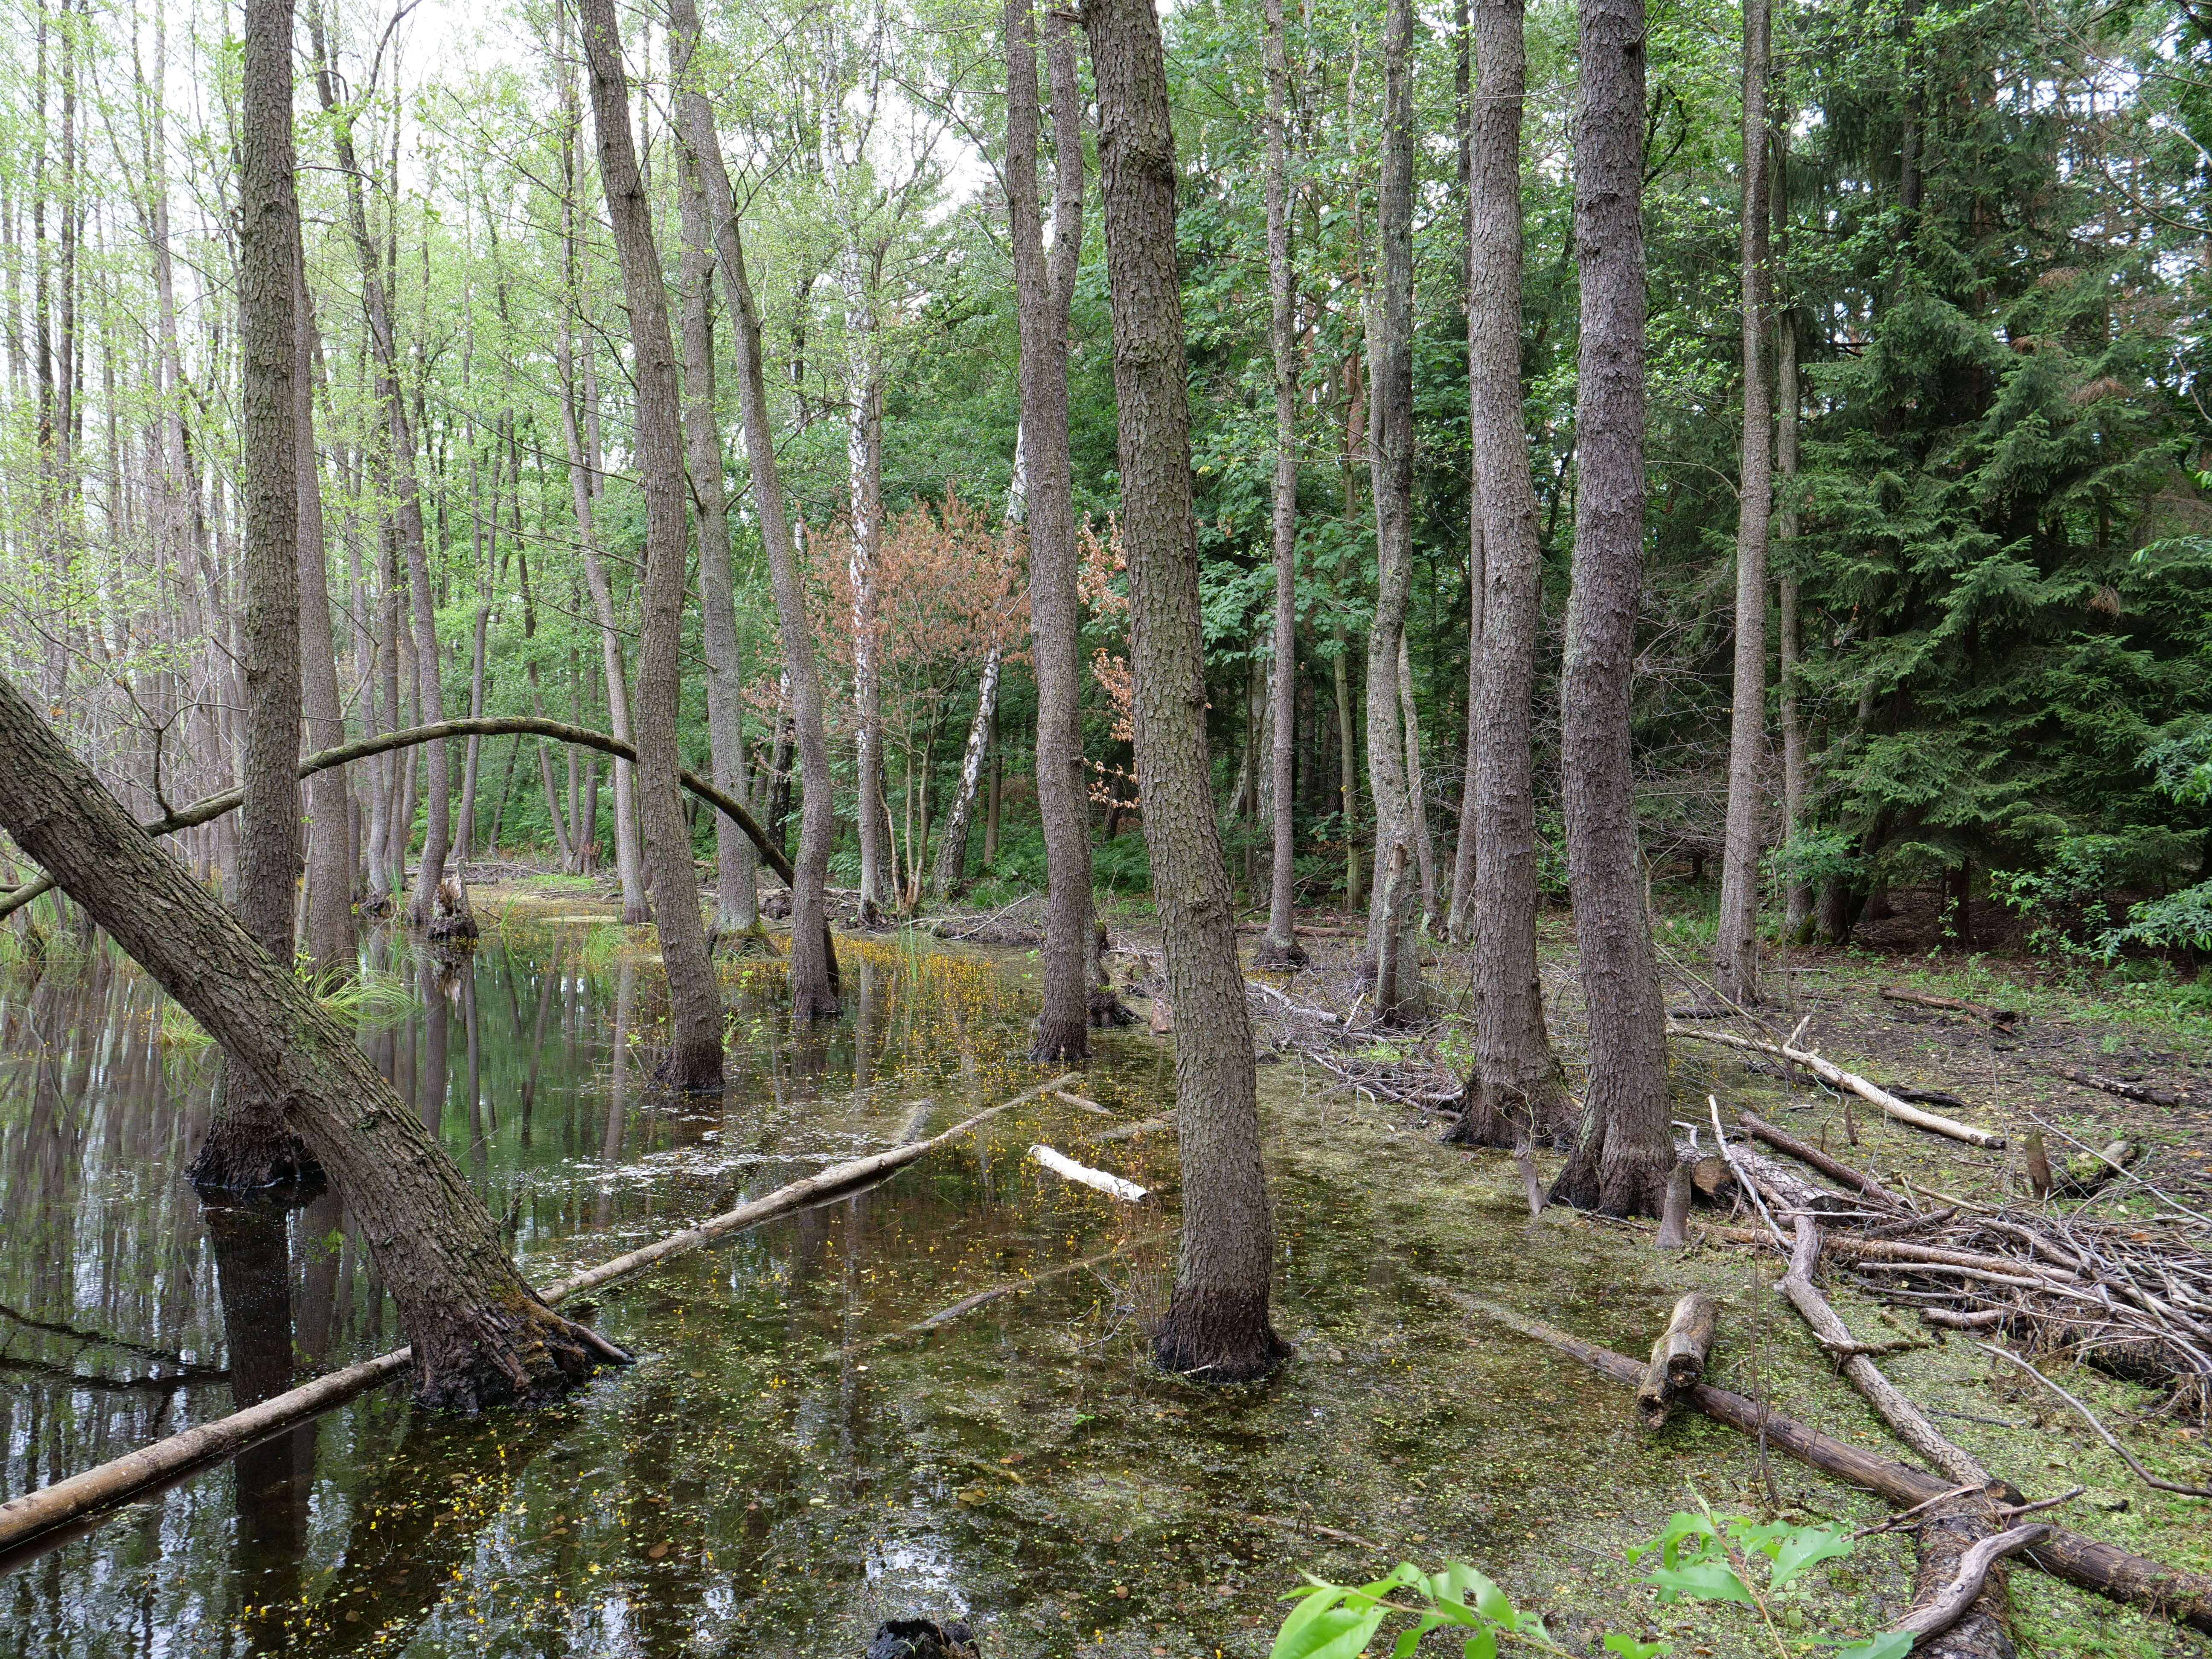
pixel 521 1355
pixel 1107 1009
pixel 1218 1337
pixel 1279 956
pixel 1498 1114
pixel 250 1153
pixel 1614 1182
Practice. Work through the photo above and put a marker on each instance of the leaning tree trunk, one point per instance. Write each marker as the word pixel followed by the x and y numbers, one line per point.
pixel 1279 946
pixel 736 898
pixel 1390 460
pixel 1621 1161
pixel 1063 1028
pixel 813 969
pixel 249 1145
pixel 695 997
pixel 480 1335
pixel 1217 1324
pixel 1516 1093
pixel 1735 940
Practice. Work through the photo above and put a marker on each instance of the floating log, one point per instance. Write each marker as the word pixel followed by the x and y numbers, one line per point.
pixel 1083 1174
pixel 2118 1574
pixel 2141 1092
pixel 64 1501
pixel 1836 1076
pixel 1997 1016
pixel 1805 1152
pixel 1678 1357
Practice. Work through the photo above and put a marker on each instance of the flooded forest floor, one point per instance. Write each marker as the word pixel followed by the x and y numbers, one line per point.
pixel 827 1427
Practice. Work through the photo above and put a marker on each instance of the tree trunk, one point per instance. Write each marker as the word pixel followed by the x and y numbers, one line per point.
pixel 481 1336
pixel 1390 461
pixel 329 836
pixel 1279 946
pixel 1424 845
pixel 402 484
pixel 249 1144
pixel 950 873
pixel 1621 1161
pixel 736 898
pixel 1735 940
pixel 695 1018
pixel 1459 919
pixel 813 969
pixel 1799 902
pixel 1063 1028
pixel 1516 1093
pixel 1347 753
pixel 1216 1325
pixel 268 223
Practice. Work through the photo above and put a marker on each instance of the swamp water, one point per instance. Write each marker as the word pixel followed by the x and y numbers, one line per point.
pixel 792 1459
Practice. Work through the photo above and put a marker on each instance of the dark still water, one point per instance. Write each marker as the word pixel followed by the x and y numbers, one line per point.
pixel 792 1459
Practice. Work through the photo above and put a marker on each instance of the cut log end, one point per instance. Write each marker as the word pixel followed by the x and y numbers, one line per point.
pixel 1678 1357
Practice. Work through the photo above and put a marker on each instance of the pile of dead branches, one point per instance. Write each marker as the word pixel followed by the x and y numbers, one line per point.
pixel 1332 1022
pixel 2134 1300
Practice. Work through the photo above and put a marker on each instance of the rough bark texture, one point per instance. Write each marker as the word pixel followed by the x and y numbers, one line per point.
pixel 1736 948
pixel 248 1146
pixel 1063 1028
pixel 1517 1091
pixel 1946 1533
pixel 737 895
pixel 1459 916
pixel 1390 465
pixel 813 964
pixel 268 239
pixel 1279 946
pixel 1216 1326
pixel 480 1335
pixel 694 998
pixel 1620 1163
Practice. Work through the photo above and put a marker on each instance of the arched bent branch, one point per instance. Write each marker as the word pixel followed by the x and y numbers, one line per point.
pixel 213 807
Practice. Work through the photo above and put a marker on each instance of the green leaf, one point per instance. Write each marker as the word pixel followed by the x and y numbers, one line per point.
pixel 1404 1646
pixel 1680 1525
pixel 1806 1546
pixel 1629 1648
pixel 1480 1645
pixel 1490 1601
pixel 1702 1580
pixel 1890 1644
pixel 1333 1633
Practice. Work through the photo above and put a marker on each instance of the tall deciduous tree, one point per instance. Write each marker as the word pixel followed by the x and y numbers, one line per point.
pixel 736 901
pixel 1390 464
pixel 1279 946
pixel 1044 290
pixel 1620 1163
pixel 249 1147
pixel 1217 1324
pixel 814 990
pixel 1516 1093
pixel 1735 940
pixel 695 1056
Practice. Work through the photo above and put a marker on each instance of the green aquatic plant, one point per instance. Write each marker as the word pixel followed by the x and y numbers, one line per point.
pixel 1700 1557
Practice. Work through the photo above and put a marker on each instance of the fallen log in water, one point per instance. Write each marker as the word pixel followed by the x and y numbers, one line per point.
pixel 1084 1175
pixel 63 1501
pixel 1834 1169
pixel 1678 1357
pixel 2002 1018
pixel 1959 1597
pixel 1836 1076
pixel 2185 1597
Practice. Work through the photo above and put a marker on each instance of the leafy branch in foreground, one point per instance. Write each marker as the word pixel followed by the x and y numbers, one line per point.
pixel 1701 1557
